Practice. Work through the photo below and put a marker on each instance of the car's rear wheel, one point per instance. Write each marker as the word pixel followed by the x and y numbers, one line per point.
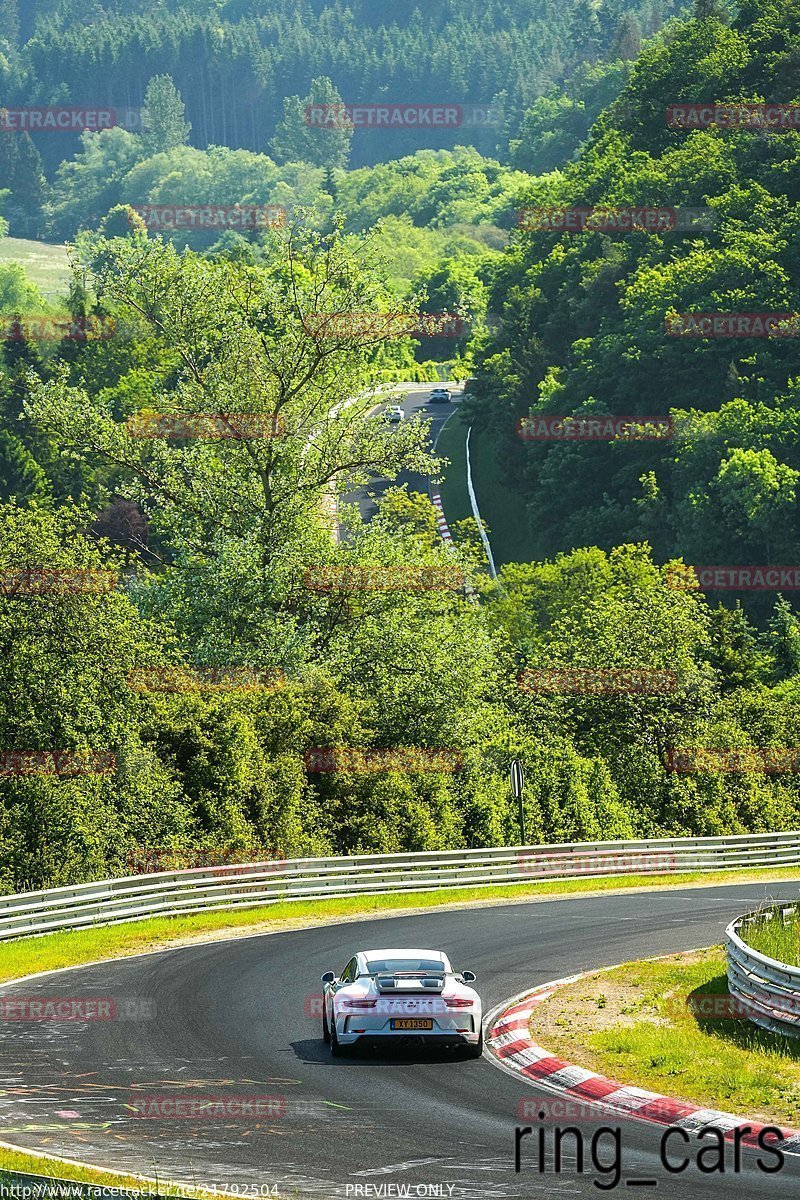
pixel 326 1033
pixel 477 1050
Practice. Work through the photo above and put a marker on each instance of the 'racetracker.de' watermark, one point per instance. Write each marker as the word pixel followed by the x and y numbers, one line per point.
pixel 24 582
pixel 371 326
pixel 609 681
pixel 565 1109
pixel 586 427
pixel 683 577
pixel 57 1009
pixel 210 1107
pixel 211 216
pixel 566 861
pixel 377 578
pixel 200 679
pixel 63 763
pixel 44 327
pixel 722 1006
pixel 231 861
pixel 747 760
pixel 732 325
pixel 743 115
pixel 351 116
pixel 206 426
pixel 579 219
pixel 57 120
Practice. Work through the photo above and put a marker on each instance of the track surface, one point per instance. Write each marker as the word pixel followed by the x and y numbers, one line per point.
pixel 414 403
pixel 239 1018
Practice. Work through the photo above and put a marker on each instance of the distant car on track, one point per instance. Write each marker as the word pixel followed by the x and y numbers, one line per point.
pixel 439 396
pixel 394 413
pixel 403 997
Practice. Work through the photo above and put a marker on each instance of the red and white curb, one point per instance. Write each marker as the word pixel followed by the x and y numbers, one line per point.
pixel 509 1042
pixel 441 519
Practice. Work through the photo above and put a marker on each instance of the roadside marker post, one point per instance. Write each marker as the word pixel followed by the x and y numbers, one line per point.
pixel 517 788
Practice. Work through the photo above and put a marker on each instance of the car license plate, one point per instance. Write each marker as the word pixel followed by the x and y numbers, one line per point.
pixel 411 1023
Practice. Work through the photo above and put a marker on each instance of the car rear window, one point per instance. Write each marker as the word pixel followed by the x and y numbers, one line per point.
pixel 391 966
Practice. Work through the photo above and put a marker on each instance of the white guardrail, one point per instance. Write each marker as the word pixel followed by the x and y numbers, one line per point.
pixel 206 889
pixel 765 990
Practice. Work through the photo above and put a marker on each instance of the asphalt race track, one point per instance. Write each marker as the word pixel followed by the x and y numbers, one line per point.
pixel 238 1018
pixel 414 403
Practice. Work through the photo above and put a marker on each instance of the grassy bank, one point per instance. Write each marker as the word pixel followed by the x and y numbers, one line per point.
pixel 501 509
pixel 56 1169
pixel 45 263
pixel 647 1024
pixel 778 939
pixel 455 497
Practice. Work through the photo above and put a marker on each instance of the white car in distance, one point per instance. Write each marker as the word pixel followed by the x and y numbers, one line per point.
pixel 394 413
pixel 404 997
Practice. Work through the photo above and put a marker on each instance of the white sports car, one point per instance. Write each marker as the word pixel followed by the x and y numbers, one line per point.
pixel 410 996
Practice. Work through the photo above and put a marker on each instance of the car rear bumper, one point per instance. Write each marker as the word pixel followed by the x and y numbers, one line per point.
pixel 465 1033
pixel 400 1038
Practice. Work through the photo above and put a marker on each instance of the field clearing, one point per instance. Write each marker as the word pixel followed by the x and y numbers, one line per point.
pixel 45 263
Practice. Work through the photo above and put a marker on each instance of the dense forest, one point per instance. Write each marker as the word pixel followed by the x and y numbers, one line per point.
pixel 584 316
pixel 213 542
pixel 238 65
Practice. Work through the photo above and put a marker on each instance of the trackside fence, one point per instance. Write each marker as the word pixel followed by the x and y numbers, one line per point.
pixel 250 885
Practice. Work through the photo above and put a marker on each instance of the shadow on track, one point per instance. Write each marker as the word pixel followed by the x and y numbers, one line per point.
pixel 315 1050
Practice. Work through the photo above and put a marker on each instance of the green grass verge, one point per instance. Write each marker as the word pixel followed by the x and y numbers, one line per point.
pixel 501 509
pixel 453 489
pixel 51 1168
pixel 638 1025
pixel 45 263
pixel 769 935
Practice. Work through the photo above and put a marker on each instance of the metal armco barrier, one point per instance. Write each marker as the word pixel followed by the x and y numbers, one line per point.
pixel 767 991
pixel 206 889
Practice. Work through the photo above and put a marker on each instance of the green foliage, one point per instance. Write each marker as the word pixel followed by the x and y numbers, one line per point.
pixel 556 125
pixel 584 317
pixel 21 477
pixel 234 64
pixel 165 128
pixel 22 174
pixel 298 139
pixel 18 295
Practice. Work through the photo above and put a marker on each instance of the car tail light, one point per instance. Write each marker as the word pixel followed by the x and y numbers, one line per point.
pixel 457 1002
pixel 359 1004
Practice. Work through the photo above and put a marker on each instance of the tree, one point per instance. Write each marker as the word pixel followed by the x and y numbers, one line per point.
pixel 782 639
pixel 264 342
pixel 734 651
pixel 29 188
pixel 18 295
pixel 22 173
pixel 66 661
pixel 708 10
pixel 123 524
pixel 322 138
pixel 9 23
pixel 21 477
pixel 627 37
pixel 165 128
